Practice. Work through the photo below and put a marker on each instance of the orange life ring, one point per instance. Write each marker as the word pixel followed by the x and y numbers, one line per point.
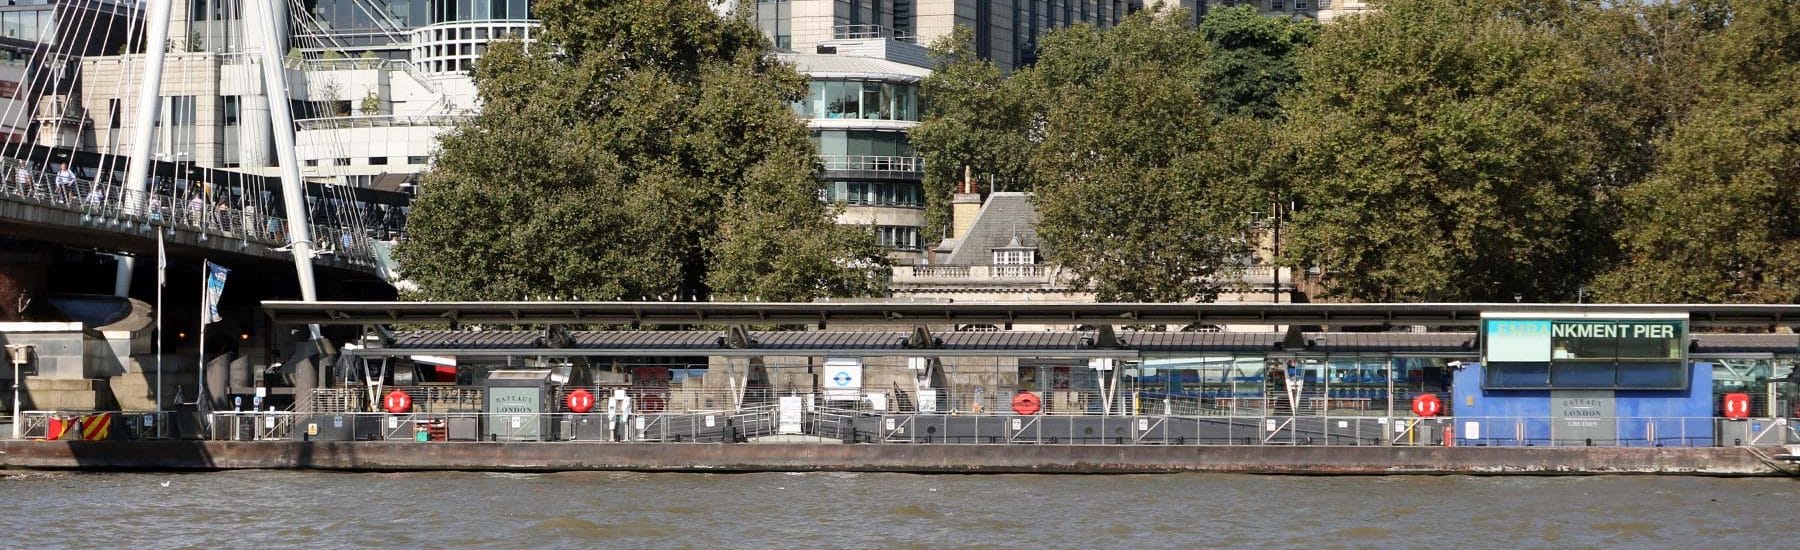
pixel 1027 403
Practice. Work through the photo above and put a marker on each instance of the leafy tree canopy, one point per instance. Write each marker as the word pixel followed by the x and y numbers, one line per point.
pixel 1252 58
pixel 974 117
pixel 1446 151
pixel 643 148
pixel 1142 190
pixel 1715 222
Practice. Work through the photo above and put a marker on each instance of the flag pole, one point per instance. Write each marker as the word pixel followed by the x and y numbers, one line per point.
pixel 205 317
pixel 161 265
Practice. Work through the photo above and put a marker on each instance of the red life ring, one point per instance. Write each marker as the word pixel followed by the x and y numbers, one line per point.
pixel 1027 403
pixel 397 402
pixel 581 401
pixel 1427 405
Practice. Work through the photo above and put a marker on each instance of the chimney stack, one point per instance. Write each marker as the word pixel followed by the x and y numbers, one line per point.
pixel 964 205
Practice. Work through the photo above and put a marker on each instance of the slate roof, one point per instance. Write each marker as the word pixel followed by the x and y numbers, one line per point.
pixel 1004 216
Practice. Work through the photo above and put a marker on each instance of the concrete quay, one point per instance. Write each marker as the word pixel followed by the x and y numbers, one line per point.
pixel 934 458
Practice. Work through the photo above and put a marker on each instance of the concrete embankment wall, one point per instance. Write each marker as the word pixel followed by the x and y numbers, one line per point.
pixel 193 455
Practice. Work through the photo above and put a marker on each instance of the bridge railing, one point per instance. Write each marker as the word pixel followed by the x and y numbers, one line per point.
pixel 181 207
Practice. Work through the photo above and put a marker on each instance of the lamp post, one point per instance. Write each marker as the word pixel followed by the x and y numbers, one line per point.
pixel 19 354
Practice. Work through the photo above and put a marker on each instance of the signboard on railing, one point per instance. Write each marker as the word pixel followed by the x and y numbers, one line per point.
pixel 843 379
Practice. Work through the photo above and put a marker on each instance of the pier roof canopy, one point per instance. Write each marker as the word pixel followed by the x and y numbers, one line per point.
pixel 1000 314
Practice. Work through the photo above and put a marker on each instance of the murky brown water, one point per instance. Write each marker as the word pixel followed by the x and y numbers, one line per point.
pixel 261 509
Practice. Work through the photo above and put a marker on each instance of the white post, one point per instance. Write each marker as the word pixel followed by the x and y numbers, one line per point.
pixel 16 355
pixel 16 418
pixel 122 275
pixel 205 319
pixel 157 339
pixel 156 46
pixel 293 189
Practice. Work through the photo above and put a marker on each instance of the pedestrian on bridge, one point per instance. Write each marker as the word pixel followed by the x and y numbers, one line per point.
pixel 65 183
pixel 196 210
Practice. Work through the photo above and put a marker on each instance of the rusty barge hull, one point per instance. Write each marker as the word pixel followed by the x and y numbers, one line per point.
pixel 937 458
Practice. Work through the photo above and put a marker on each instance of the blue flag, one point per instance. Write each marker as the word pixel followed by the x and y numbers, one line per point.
pixel 215 287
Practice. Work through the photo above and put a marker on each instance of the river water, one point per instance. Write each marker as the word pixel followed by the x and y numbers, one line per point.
pixel 263 509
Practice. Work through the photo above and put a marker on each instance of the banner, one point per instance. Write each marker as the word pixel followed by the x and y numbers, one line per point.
pixel 215 287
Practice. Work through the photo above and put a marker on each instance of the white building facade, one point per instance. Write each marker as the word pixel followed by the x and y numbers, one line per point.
pixel 862 101
pixel 371 89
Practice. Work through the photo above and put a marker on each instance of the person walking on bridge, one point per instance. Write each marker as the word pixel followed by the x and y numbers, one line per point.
pixel 65 183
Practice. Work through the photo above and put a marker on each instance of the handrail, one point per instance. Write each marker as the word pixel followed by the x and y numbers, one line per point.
pixel 379 121
pixel 874 163
pixel 869 31
pixel 181 207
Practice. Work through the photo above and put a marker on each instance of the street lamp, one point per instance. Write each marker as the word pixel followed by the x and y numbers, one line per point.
pixel 19 353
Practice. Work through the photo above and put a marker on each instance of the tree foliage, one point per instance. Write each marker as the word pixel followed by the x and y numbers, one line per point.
pixel 974 117
pixel 1253 58
pixel 1143 191
pixel 644 148
pixel 1446 151
pixel 1715 222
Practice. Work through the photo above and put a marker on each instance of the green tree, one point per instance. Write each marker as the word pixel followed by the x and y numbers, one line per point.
pixel 974 117
pixel 1716 220
pixel 1253 58
pixel 1143 191
pixel 641 149
pixel 1445 150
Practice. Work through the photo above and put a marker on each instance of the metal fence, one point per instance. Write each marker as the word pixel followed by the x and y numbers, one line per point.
pixel 834 426
pixel 127 211
pixel 713 427
pixel 121 425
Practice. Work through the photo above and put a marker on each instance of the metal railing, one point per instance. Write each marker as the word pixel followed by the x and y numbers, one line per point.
pixel 874 163
pixel 126 211
pixel 835 425
pixel 699 427
pixel 380 121
pixel 869 31
pixel 830 425
pixel 122 425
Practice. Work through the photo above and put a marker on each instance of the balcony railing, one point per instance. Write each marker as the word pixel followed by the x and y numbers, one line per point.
pixel 380 121
pixel 966 274
pixel 873 163
pixel 869 31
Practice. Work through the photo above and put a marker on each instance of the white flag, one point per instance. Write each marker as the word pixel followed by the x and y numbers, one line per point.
pixel 162 262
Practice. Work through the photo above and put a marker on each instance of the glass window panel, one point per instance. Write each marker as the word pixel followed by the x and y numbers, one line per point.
pixel 1669 375
pixel 1518 375
pixel 816 99
pixel 1582 375
pixel 1649 348
pixel 872 104
pixel 846 100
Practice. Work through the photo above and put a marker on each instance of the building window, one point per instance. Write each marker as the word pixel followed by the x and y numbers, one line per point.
pixel 340 162
pixel 897 237
pixel 860 100
pixel 418 160
pixel 863 143
pixel 312 162
pixel 905 194
pixel 377 161
pixel 1015 257
pixel 1277 5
